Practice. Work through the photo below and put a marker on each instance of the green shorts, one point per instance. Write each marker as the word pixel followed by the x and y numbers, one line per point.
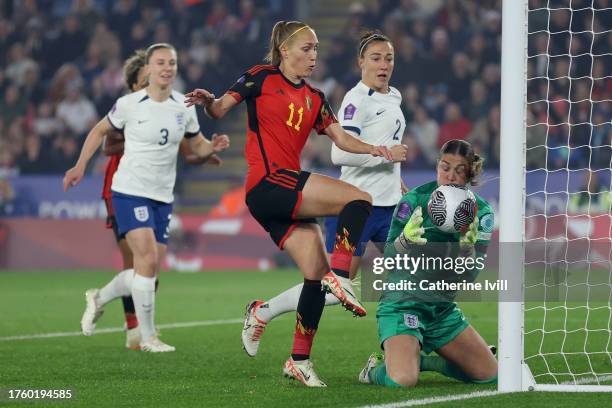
pixel 433 324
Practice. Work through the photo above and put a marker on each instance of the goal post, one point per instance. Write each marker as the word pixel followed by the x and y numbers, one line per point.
pixel 512 190
pixel 555 107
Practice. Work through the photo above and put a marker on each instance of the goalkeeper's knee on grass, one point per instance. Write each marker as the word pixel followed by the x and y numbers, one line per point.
pixel 440 365
pixel 492 380
pixel 380 376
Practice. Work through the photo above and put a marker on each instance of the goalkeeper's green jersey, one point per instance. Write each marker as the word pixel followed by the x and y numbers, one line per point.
pixel 442 245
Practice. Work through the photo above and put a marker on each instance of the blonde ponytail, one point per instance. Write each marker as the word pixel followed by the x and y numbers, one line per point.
pixel 281 34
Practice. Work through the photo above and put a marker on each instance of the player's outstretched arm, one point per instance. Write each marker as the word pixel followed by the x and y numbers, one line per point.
pixel 343 158
pixel 93 141
pixel 204 149
pixel 190 157
pixel 215 108
pixel 351 144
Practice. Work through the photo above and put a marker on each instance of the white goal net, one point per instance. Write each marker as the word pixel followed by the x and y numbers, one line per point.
pixel 567 309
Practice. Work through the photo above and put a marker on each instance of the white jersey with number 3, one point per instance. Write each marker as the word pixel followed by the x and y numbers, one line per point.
pixel 153 131
pixel 375 118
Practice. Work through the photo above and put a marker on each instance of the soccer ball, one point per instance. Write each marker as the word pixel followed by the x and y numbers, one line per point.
pixel 452 208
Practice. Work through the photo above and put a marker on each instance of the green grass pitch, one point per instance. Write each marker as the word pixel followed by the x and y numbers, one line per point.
pixel 209 368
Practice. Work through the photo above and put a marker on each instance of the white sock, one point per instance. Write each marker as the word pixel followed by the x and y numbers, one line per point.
pixel 121 285
pixel 287 301
pixel 330 300
pixel 143 293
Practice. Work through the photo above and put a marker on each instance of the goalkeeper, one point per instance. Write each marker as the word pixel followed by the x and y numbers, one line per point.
pixel 412 325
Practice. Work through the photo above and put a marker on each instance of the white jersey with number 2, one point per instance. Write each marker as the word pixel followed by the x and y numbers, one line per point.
pixel 375 118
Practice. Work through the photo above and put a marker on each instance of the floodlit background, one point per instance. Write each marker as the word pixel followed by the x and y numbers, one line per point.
pixel 61 71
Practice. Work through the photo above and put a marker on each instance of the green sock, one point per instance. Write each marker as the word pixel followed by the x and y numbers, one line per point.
pixel 492 380
pixel 379 376
pixel 440 365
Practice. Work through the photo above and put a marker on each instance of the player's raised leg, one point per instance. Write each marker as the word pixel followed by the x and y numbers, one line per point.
pixel 260 313
pixel 325 196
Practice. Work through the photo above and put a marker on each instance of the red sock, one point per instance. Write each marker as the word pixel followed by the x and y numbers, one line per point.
pixel 351 222
pixel 131 320
pixel 309 311
pixel 302 341
pixel 340 260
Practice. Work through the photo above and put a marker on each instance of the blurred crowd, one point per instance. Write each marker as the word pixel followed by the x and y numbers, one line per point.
pixel 447 67
pixel 61 63
pixel 61 70
pixel 570 85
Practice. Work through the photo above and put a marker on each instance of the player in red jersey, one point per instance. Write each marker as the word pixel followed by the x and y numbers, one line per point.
pixel 282 110
pixel 135 79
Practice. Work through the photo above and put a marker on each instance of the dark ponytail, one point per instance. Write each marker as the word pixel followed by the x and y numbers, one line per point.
pixel 369 37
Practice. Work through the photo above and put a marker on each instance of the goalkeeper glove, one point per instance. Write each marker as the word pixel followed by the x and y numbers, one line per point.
pixel 469 238
pixel 412 233
pixel 413 230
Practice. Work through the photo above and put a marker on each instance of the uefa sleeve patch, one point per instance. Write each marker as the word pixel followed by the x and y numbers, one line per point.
pixel 403 211
pixel 349 111
pixel 487 223
pixel 484 236
pixel 411 321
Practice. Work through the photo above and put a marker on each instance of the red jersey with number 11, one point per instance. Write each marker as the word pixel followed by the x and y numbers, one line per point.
pixel 281 115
